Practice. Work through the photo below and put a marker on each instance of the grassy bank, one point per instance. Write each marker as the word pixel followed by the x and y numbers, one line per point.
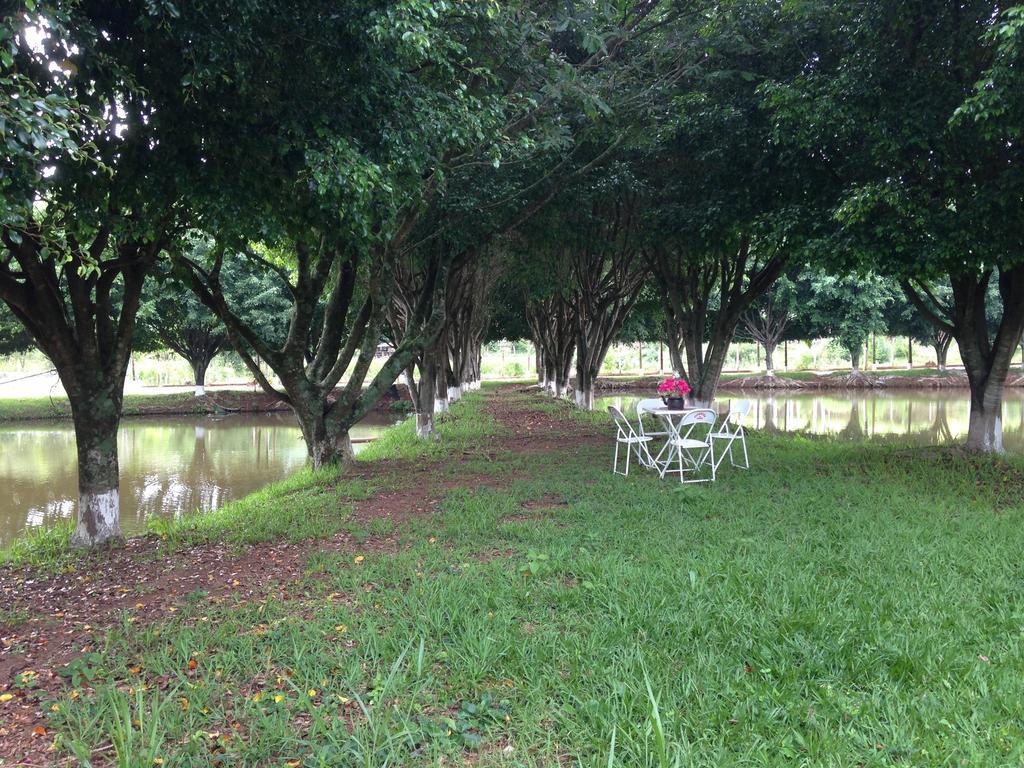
pixel 57 407
pixel 924 378
pixel 158 404
pixel 835 605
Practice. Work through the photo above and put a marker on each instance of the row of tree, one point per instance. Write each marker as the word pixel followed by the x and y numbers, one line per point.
pixel 325 175
pixel 873 142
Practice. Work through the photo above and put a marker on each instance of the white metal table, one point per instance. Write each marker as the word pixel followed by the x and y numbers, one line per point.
pixel 673 418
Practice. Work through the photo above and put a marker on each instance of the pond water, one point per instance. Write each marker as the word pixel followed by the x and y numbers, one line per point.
pixel 931 417
pixel 170 465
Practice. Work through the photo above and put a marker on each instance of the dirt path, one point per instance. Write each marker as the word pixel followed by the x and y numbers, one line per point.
pixel 59 617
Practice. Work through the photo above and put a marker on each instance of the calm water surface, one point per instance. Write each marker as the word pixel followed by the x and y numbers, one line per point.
pixel 924 417
pixel 177 465
pixel 170 465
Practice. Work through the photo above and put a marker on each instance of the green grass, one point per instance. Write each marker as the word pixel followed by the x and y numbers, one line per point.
pixel 57 407
pixel 836 605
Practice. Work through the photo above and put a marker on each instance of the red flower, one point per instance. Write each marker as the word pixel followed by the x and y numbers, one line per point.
pixel 672 387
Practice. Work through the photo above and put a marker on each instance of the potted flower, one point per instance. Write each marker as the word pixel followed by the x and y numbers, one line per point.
pixel 673 391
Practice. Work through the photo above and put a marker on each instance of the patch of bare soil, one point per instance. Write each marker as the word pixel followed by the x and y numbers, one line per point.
pixel 528 430
pixel 547 501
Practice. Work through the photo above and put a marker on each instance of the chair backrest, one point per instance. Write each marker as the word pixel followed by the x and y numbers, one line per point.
pixel 699 416
pixel 625 428
pixel 738 410
pixel 697 419
pixel 648 404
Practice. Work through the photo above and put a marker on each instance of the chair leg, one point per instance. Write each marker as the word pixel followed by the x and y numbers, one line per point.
pixel 746 460
pixel 629 452
pixel 721 456
pixel 711 448
pixel 615 462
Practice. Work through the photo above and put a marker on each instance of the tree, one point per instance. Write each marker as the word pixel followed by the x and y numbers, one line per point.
pixel 589 273
pixel 171 317
pixel 343 211
pixel 609 273
pixel 731 209
pixel 769 318
pixel 930 166
pixel 905 319
pixel 848 308
pixel 92 194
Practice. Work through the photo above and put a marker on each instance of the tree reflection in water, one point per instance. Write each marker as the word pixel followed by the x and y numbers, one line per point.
pixel 170 466
pixel 925 417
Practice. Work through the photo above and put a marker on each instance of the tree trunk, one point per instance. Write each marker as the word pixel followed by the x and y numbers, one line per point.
pixel 440 389
pixel 985 430
pixel 96 421
pixel 584 392
pixel 413 387
pixel 199 373
pixel 854 358
pixel 323 448
pixel 702 391
pixel 941 351
pixel 769 353
pixel 676 359
pixel 426 396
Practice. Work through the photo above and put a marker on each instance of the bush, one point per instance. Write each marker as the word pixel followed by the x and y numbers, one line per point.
pixel 513 370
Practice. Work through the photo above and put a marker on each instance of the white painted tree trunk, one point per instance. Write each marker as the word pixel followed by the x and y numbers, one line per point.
pixel 440 405
pixel 585 399
pixel 424 425
pixel 200 390
pixel 98 519
pixel 985 431
pixel 454 394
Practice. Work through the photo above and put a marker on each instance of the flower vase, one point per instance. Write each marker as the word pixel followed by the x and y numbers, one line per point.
pixel 674 403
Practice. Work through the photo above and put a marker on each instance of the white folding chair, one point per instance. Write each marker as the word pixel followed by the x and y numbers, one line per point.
pixel 691 445
pixel 644 407
pixel 627 436
pixel 731 430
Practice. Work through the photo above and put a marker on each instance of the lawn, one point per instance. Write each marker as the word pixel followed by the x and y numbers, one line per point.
pixel 58 407
pixel 835 605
